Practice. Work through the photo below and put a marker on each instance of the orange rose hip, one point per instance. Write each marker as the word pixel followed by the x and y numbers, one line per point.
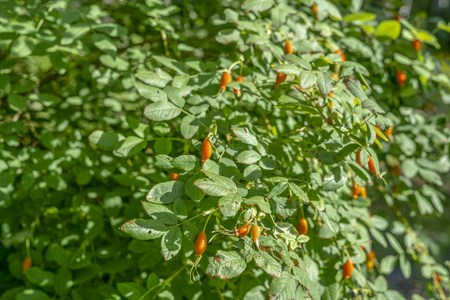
pixel 416 44
pixel 358 157
pixel 206 149
pixel 238 92
pixel 372 168
pixel 174 176
pixel 288 47
pixel 226 79
pixel 256 233
pixel 243 231
pixel 339 51
pixel 401 77
pixel 200 244
pixel 27 264
pixel 302 226
pixel 280 79
pixel 347 269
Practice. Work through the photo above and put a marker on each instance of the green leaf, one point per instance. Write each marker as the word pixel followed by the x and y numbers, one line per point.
pixel 310 286
pixel 409 166
pixel 149 92
pixel 430 176
pixel 278 15
pixel 379 222
pixel 258 200
pixel 248 157
pixel 22 47
pixel 359 171
pixel 361 17
pixel 278 189
pixel 283 207
pixel 331 292
pixel 40 277
pixel 405 266
pixel 114 62
pixel 244 135
pixel 60 255
pixel 298 61
pixel 393 295
pixel 257 5
pixel 175 95
pixel 74 32
pixel 324 83
pixel 230 204
pixel 442 26
pixel 166 192
pixel 327 8
pixel 389 29
pixel 283 287
pixel 355 88
pixel 104 43
pixel 373 106
pixel 161 111
pixel 46 99
pixel 189 126
pixel 162 146
pixel 140 129
pixel 267 163
pixel 423 204
pixel 110 29
pixel 252 172
pixel 160 212
pixel 326 232
pixel 221 179
pixel 226 265
pixel 171 242
pixel 334 179
pixel 192 191
pixel 307 79
pixel 17 102
pixel 425 36
pixel 227 36
pixel 184 162
pixel 267 263
pixel 404 60
pixel 211 166
pixel 394 243
pixel 180 209
pixel 288 69
pixel 302 238
pixel 379 237
pixel 316 200
pixel 213 188
pixel 349 148
pixel 430 192
pixel 130 146
pixel 157 80
pixel 380 284
pixel 387 264
pixel 104 140
pixel 144 229
pixel 298 192
pixel 171 64
pixel 31 294
pixel 130 290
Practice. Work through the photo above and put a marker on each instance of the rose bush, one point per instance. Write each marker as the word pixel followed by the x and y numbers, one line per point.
pixel 130 128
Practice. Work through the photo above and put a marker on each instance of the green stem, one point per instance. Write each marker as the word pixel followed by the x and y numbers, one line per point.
pixel 207 220
pixel 202 214
pixel 164 282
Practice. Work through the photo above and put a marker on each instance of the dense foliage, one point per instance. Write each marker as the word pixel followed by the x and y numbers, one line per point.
pixel 324 164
